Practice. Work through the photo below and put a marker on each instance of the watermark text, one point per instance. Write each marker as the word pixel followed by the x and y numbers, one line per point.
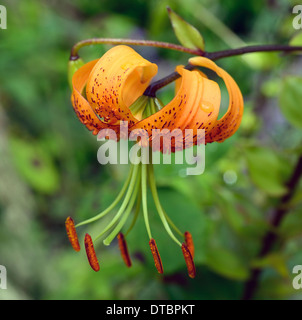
pixel 156 147
pixel 297 281
pixel 297 21
pixel 3 17
pixel 2 277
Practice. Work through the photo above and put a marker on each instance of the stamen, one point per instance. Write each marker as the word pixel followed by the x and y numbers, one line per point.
pixel 136 213
pixel 91 255
pixel 124 249
pixel 144 199
pixel 156 256
pixel 159 208
pixel 125 202
pixel 72 234
pixel 171 223
pixel 189 261
pixel 190 243
pixel 113 204
pixel 124 218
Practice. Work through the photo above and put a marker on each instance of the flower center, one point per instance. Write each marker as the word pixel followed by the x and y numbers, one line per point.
pixel 133 198
pixel 145 106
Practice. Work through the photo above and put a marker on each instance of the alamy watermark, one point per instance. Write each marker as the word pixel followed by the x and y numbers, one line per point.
pixel 160 143
pixel 297 21
pixel 3 277
pixel 297 281
pixel 3 17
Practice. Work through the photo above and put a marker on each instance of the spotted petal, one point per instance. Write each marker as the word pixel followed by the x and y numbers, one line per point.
pixel 83 109
pixel 195 96
pixel 229 123
pixel 119 77
pixel 81 106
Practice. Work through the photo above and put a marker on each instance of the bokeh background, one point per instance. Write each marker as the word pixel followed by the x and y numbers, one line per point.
pixel 49 169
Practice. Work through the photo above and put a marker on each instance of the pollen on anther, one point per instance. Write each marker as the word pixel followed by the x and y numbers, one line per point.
pixel 190 243
pixel 72 234
pixel 189 260
pixel 156 256
pixel 124 249
pixel 91 255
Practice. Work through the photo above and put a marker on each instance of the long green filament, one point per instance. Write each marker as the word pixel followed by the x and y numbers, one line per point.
pixel 136 213
pixel 172 224
pixel 138 178
pixel 125 216
pixel 159 208
pixel 113 204
pixel 125 202
pixel 144 199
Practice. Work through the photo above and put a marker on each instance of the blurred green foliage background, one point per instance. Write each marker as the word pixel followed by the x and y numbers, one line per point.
pixel 49 169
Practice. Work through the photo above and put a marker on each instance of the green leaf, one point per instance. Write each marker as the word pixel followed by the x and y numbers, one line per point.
pixel 271 88
pixel 290 100
pixel 275 261
pixel 230 213
pixel 262 60
pixel 186 34
pixel 296 40
pixel 266 170
pixel 35 166
pixel 291 225
pixel 274 287
pixel 226 263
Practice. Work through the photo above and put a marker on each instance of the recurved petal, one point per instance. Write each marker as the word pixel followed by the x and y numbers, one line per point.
pixel 119 77
pixel 178 112
pixel 195 105
pixel 230 122
pixel 206 115
pixel 81 106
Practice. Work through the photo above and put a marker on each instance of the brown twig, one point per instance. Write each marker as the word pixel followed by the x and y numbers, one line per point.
pixel 250 49
pixel 151 90
pixel 271 237
pixel 149 43
pixel 153 87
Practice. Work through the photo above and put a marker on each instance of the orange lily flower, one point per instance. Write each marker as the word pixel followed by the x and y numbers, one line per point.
pixel 106 93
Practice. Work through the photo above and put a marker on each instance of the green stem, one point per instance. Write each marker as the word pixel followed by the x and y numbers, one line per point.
pixel 113 204
pixel 158 204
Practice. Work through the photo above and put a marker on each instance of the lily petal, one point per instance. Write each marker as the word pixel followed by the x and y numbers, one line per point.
pixel 188 109
pixel 81 106
pixel 230 122
pixel 180 110
pixel 119 77
pixel 207 112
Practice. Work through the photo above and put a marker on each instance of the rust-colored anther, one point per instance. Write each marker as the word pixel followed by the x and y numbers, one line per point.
pixel 190 243
pixel 189 260
pixel 91 255
pixel 156 256
pixel 72 234
pixel 124 249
